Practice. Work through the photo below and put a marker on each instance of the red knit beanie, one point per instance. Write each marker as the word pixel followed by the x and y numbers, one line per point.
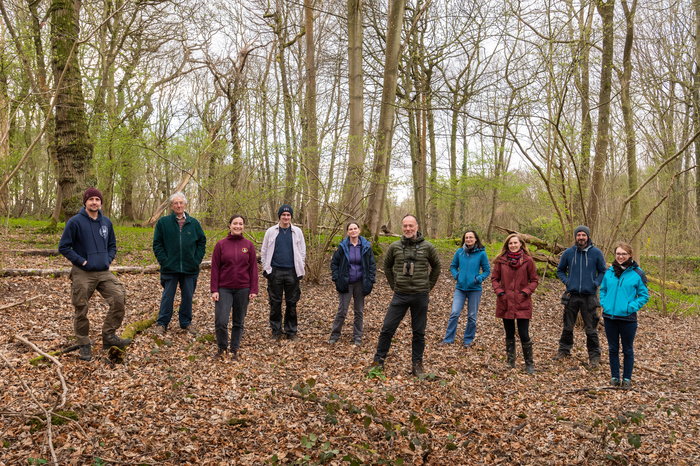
pixel 92 192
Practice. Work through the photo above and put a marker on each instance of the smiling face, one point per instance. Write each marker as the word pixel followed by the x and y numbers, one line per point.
pixel 178 206
pixel 621 255
pixel 237 225
pixel 469 239
pixel 93 204
pixel 285 219
pixel 409 225
pixel 353 231
pixel 514 244
pixel 581 239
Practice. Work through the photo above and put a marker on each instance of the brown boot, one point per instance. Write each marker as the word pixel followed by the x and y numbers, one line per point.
pixel 220 353
pixel 418 370
pixel 234 355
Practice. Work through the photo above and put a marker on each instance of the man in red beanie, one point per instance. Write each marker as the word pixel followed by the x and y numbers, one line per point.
pixel 88 241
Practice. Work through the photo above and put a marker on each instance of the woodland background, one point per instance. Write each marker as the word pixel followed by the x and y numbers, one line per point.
pixel 535 115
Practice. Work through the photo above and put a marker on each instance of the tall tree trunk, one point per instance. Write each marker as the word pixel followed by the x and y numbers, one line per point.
pixel 606 10
pixel 5 105
pixel 630 135
pixel 696 106
pixel 73 146
pixel 311 149
pixel 432 181
pixel 385 129
pixel 453 168
pixel 356 154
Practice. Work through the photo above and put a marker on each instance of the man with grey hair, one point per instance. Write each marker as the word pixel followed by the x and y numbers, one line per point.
pixel 179 244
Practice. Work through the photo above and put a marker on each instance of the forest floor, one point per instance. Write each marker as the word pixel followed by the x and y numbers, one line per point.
pixel 306 402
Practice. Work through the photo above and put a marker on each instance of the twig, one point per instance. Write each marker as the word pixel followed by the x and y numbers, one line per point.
pixel 7 306
pixel 46 413
pixel 517 428
pixel 650 369
pixel 54 360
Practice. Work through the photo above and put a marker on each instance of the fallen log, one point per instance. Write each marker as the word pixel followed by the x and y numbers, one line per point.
pixel 534 240
pixel 54 273
pixel 34 252
pixel 116 354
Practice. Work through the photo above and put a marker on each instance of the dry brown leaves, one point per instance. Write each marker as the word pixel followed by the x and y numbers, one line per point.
pixel 306 402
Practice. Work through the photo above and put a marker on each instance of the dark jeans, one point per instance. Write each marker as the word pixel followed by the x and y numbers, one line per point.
pixel 617 330
pixel 238 301
pixel 587 305
pixel 354 292
pixel 395 314
pixel 169 282
pixel 523 329
pixel 283 283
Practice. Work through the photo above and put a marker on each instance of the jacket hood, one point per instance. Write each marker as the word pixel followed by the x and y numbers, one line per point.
pixel 84 213
pixel 345 243
pixel 419 238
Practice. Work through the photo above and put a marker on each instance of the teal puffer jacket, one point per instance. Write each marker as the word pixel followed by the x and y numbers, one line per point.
pixel 624 296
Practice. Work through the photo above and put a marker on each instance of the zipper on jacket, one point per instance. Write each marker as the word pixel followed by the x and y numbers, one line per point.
pixel 580 272
pixel 183 226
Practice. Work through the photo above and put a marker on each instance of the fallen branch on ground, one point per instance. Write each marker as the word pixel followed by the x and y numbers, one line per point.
pixel 20 302
pixel 117 354
pixel 54 273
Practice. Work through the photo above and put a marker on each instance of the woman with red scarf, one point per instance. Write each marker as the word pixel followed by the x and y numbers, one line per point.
pixel 514 279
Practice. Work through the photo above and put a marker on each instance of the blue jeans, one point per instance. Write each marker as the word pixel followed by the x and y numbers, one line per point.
pixel 473 298
pixel 169 282
pixel 617 330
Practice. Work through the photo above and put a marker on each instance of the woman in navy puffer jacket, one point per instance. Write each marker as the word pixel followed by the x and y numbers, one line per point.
pixel 623 293
pixel 353 270
pixel 470 267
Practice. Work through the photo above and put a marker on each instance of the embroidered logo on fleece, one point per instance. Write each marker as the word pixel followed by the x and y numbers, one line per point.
pixel 245 250
pixel 103 231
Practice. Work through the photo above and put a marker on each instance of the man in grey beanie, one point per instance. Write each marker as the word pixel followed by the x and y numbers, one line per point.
pixel 581 268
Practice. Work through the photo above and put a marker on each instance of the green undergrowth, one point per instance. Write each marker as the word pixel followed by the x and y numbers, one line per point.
pixel 676 302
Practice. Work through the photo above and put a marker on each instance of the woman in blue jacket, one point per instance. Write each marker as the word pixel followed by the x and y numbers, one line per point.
pixel 353 270
pixel 622 293
pixel 470 267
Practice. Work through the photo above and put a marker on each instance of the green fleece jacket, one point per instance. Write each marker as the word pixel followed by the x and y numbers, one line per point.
pixel 426 269
pixel 179 251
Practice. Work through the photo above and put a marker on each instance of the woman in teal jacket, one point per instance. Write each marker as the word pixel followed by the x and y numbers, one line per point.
pixel 470 267
pixel 622 293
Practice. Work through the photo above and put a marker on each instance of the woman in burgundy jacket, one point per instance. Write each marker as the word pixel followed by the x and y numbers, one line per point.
pixel 234 282
pixel 514 279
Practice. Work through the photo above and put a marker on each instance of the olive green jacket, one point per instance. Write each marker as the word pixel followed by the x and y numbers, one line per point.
pixel 426 270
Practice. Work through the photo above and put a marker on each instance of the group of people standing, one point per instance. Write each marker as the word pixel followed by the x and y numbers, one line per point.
pixel 411 266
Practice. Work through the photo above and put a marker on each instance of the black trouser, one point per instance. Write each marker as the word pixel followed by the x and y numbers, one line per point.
pixel 523 329
pixel 279 283
pixel 395 314
pixel 236 300
pixel 587 304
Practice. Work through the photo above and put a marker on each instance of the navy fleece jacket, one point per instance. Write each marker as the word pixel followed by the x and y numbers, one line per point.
pixel 86 239
pixel 582 270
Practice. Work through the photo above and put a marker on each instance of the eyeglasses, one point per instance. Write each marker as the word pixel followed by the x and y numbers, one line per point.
pixel 621 254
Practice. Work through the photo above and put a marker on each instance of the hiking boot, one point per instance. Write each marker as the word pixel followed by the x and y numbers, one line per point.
pixel 333 341
pixel 159 330
pixel 594 362
pixel 112 340
pixel 234 355
pixel 510 352
pixel 527 356
pixel 466 345
pixel 626 384
pixel 276 336
pixel 191 329
pixel 86 352
pixel 357 342
pixel 615 382
pixel 220 353
pixel 378 364
pixel 560 355
pixel 444 343
pixel 292 337
pixel 417 369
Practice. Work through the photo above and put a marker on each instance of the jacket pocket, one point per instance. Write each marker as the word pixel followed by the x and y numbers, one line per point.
pixel 522 301
pixel 97 262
